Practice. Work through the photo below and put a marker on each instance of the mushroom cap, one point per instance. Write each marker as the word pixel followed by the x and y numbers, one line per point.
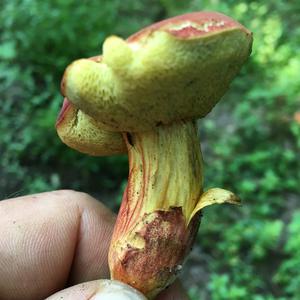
pixel 82 133
pixel 176 69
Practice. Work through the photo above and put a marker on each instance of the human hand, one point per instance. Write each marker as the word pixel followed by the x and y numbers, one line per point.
pixel 57 240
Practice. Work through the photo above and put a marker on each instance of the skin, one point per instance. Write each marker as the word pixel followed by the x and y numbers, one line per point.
pixel 57 240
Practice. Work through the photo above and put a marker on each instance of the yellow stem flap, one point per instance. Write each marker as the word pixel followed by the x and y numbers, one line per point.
pixel 215 196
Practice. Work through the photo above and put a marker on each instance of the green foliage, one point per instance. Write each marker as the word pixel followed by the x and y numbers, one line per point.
pixel 38 39
pixel 251 141
pixel 256 154
pixel 288 274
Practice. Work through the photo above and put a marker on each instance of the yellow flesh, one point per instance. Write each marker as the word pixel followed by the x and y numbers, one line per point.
pixel 82 133
pixel 158 80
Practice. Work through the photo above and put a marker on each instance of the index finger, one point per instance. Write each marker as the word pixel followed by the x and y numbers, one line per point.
pixel 50 240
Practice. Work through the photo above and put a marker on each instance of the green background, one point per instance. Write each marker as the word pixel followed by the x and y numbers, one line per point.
pixel 250 142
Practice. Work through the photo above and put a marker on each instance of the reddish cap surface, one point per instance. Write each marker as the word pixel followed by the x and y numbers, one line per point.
pixel 190 25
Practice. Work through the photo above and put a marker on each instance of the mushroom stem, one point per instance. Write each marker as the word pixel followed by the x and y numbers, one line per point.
pixel 154 230
pixel 160 211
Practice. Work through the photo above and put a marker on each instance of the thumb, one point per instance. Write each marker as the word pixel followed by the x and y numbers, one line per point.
pixel 99 290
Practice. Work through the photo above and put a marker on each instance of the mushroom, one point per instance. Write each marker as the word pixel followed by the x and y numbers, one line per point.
pixel 151 89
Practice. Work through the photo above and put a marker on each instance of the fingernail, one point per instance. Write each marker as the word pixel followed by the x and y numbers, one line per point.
pixel 115 290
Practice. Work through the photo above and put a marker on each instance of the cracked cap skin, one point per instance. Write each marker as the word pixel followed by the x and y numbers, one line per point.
pixel 84 134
